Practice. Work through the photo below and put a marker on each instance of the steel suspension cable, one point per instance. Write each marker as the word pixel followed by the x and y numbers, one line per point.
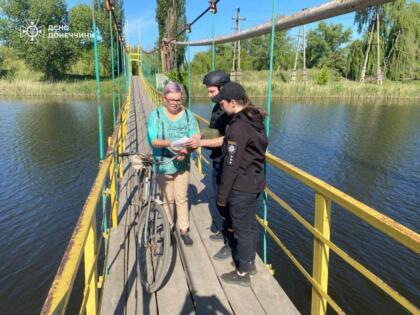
pixel 118 72
pixel 267 119
pixel 213 27
pixel 189 76
pixel 111 36
pixel 98 85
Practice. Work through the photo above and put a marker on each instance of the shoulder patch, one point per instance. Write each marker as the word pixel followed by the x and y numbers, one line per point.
pixel 231 150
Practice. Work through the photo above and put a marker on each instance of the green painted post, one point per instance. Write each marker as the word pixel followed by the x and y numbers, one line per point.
pixel 118 71
pixel 189 75
pixel 98 91
pixel 111 36
pixel 99 106
pixel 213 61
pixel 267 120
pixel 176 66
pixel 123 70
pixel 127 70
pixel 118 58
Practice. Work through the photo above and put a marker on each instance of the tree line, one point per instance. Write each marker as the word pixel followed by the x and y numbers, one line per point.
pixel 24 25
pixel 330 46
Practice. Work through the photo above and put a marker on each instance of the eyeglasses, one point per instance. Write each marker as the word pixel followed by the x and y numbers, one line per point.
pixel 174 101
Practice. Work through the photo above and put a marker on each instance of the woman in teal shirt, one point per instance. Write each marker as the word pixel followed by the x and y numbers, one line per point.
pixel 166 124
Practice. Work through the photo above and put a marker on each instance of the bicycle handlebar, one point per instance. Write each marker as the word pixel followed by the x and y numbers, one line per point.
pixel 148 158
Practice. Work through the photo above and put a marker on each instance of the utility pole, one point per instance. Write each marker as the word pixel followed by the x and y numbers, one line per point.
pixel 300 46
pixel 236 63
pixel 378 65
pixel 304 73
pixel 375 21
pixel 362 76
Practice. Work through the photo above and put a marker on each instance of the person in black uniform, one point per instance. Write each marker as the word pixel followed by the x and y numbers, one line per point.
pixel 214 82
pixel 242 179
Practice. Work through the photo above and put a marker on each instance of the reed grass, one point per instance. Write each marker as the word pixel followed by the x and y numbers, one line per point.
pixel 86 88
pixel 255 83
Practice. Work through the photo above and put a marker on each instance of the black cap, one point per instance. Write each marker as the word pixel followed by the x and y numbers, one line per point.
pixel 230 91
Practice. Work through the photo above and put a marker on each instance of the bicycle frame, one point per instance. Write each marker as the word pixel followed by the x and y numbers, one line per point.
pixel 150 181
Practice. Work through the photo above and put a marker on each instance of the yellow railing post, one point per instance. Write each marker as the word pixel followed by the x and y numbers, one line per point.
pixel 199 156
pixel 321 253
pixel 120 149
pixel 123 123
pixel 90 267
pixel 113 186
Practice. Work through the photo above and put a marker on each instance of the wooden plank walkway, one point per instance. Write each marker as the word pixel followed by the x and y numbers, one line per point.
pixel 193 285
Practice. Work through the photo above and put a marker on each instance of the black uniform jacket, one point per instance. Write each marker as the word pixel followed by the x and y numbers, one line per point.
pixel 219 120
pixel 243 150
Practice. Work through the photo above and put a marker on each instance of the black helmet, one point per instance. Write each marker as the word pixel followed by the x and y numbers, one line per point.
pixel 216 78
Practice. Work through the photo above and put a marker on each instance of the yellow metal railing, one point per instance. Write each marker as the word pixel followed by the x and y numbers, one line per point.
pixel 325 194
pixel 83 242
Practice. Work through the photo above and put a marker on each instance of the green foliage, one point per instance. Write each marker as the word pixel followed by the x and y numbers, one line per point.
pixel 324 46
pixel 171 19
pixel 400 33
pixel 55 57
pixel 355 60
pixel 50 56
pixel 257 52
pixel 201 63
pixel 323 76
pixel 254 55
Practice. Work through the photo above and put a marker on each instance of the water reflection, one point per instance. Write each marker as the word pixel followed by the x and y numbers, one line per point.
pixel 49 161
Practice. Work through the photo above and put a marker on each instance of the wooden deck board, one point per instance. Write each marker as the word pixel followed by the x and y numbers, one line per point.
pixel 174 297
pixel 193 285
pixel 206 291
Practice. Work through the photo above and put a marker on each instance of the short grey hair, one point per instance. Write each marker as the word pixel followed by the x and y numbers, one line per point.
pixel 172 87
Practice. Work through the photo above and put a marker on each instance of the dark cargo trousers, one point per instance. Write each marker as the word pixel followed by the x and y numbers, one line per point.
pixel 243 207
pixel 223 211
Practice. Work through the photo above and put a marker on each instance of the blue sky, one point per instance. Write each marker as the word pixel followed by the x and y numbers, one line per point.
pixel 142 12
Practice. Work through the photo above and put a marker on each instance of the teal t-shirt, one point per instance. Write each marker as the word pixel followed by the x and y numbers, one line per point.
pixel 159 126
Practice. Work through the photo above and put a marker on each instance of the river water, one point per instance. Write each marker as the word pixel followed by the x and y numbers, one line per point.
pixel 370 150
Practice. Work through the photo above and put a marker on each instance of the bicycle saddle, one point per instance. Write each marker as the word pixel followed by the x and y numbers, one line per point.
pixel 136 162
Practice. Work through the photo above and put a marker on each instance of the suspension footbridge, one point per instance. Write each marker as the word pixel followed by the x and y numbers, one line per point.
pixel 104 240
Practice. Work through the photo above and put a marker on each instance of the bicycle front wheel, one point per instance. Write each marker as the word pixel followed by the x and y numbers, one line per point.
pixel 154 246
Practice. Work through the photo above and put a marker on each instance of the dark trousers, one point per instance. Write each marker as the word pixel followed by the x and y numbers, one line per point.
pixel 223 211
pixel 243 207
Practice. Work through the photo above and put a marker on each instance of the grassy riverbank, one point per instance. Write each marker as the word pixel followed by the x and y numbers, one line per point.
pixel 62 88
pixel 256 86
pixel 19 80
pixel 254 82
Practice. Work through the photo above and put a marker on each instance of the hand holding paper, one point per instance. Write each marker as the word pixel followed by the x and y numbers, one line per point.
pixel 180 142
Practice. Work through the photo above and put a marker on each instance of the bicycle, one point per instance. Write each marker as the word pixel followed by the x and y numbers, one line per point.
pixel 154 237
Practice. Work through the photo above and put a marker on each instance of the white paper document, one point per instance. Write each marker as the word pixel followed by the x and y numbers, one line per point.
pixel 180 142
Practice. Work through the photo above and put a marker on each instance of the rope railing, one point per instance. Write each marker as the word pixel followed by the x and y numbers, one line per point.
pixel 325 194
